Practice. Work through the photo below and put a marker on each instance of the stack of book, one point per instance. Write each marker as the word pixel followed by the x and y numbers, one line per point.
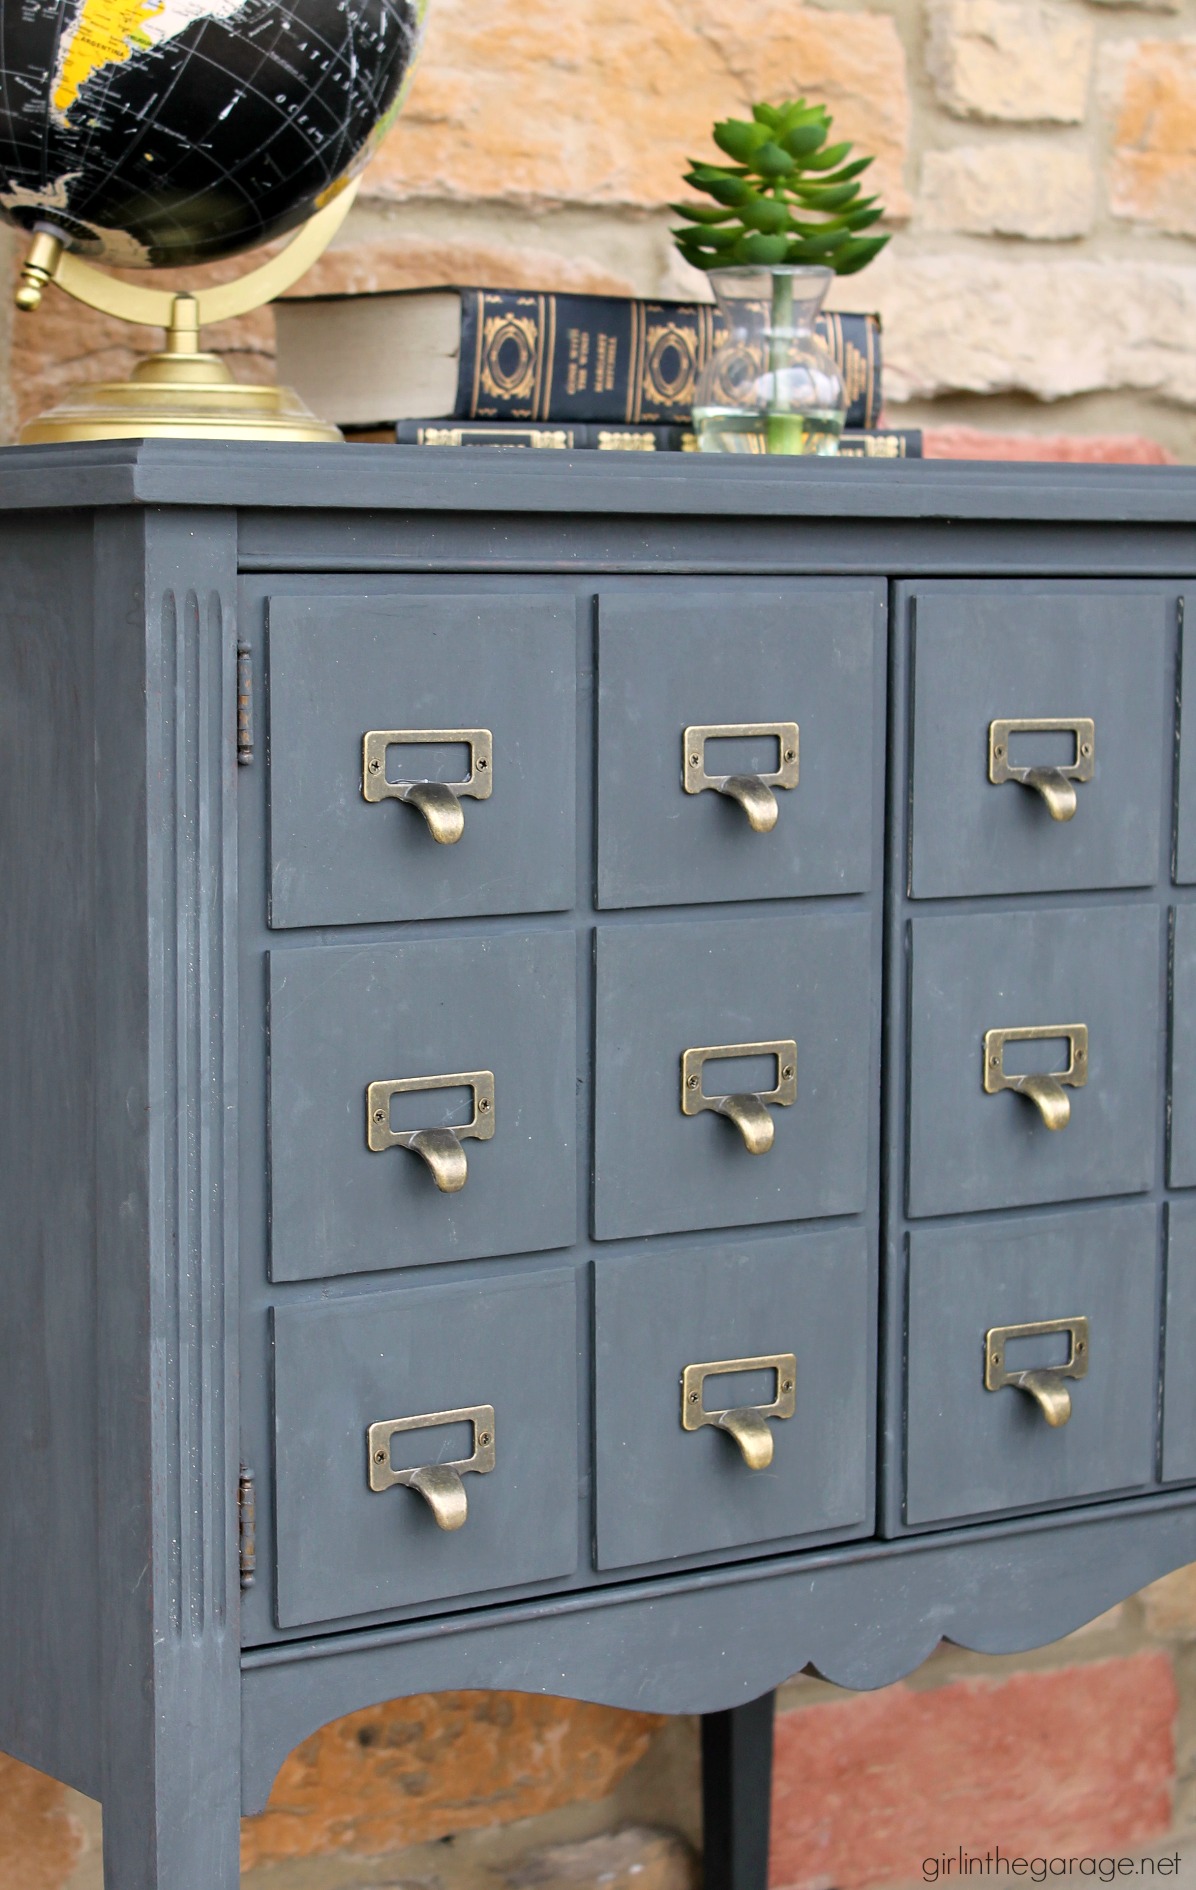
pixel 510 367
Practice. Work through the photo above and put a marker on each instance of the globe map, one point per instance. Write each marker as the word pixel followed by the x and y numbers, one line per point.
pixel 154 132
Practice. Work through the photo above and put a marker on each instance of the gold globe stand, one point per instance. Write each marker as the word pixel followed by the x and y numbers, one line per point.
pixel 182 393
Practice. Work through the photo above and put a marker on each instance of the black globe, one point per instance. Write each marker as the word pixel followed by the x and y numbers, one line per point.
pixel 154 132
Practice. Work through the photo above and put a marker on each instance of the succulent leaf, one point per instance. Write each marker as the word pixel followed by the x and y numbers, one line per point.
pixel 827 197
pixel 853 256
pixel 700 212
pixel 844 173
pixel 802 140
pixel 766 214
pixel 772 161
pixel 758 248
pixel 730 190
pixel 739 139
pixel 827 159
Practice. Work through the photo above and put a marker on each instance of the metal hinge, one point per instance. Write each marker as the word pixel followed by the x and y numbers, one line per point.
pixel 247 1527
pixel 244 704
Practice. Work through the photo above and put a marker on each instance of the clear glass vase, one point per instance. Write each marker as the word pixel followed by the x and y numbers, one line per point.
pixel 771 386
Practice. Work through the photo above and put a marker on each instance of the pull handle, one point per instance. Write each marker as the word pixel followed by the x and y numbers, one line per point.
pixel 755 797
pixel 752 1433
pixel 1056 786
pixel 753 792
pixel 751 1117
pixel 1049 1098
pixel 749 1424
pixel 1044 1089
pixel 440 807
pixel 444 1493
pixel 439 1149
pixel 439 802
pixel 440 1484
pixel 1056 789
pixel 1049 1393
pixel 1044 1384
pixel 750 1112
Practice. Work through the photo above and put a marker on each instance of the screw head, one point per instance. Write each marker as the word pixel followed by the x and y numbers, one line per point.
pixel 1080 1347
pixel 484 1106
pixel 791 754
pixel 786 1384
pixel 379 1116
pixel 482 763
pixel 1086 748
pixel 694 760
pixel 693 1397
pixel 483 1437
pixel 994 1062
pixel 374 766
pixel 995 1359
pixel 1079 1056
pixel 379 1456
pixel 691 1082
pixel 787 1072
pixel 999 751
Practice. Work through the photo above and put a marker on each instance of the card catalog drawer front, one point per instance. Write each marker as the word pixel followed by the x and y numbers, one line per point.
pixel 1179 1380
pixel 789 1322
pixel 981 990
pixel 1031 1419
pixel 480 692
pixel 785 1012
pixel 465 1049
pixel 780 688
pixel 1181 1154
pixel 490 1372
pixel 1185 836
pixel 1074 804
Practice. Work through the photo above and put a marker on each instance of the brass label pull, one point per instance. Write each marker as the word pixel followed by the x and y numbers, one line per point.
pixel 439 1149
pixel 1056 785
pixel 1045 1090
pixel 439 802
pixel 753 792
pixel 1044 1384
pixel 439 1484
pixel 749 1112
pixel 748 1424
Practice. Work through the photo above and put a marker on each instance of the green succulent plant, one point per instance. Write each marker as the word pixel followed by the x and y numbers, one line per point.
pixel 786 197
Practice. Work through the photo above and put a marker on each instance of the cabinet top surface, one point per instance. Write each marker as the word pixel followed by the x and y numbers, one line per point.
pixel 413 479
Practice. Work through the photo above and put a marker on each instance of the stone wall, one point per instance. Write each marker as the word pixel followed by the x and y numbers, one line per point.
pixel 1038 158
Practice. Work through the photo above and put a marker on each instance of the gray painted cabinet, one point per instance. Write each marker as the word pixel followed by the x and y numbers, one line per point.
pixel 598 1086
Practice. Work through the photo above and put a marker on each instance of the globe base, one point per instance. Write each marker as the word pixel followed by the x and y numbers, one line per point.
pixel 184 393
pixel 178 397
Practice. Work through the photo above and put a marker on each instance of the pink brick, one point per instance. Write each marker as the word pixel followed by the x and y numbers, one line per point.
pixel 1126 449
pixel 1080 1760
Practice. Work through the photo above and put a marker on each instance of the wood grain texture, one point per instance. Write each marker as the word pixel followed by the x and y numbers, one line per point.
pixel 166 855
pixel 49 1668
pixel 124 1671
pixel 364 478
pixel 861 1616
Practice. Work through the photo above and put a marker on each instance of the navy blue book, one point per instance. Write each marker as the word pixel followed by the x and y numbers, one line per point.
pixel 580 435
pixel 525 357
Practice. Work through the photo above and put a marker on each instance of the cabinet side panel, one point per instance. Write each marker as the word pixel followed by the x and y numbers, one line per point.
pixel 48 1560
pixel 166 1196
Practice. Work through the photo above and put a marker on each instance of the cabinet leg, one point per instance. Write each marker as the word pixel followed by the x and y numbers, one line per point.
pixel 737 1795
pixel 187 1847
